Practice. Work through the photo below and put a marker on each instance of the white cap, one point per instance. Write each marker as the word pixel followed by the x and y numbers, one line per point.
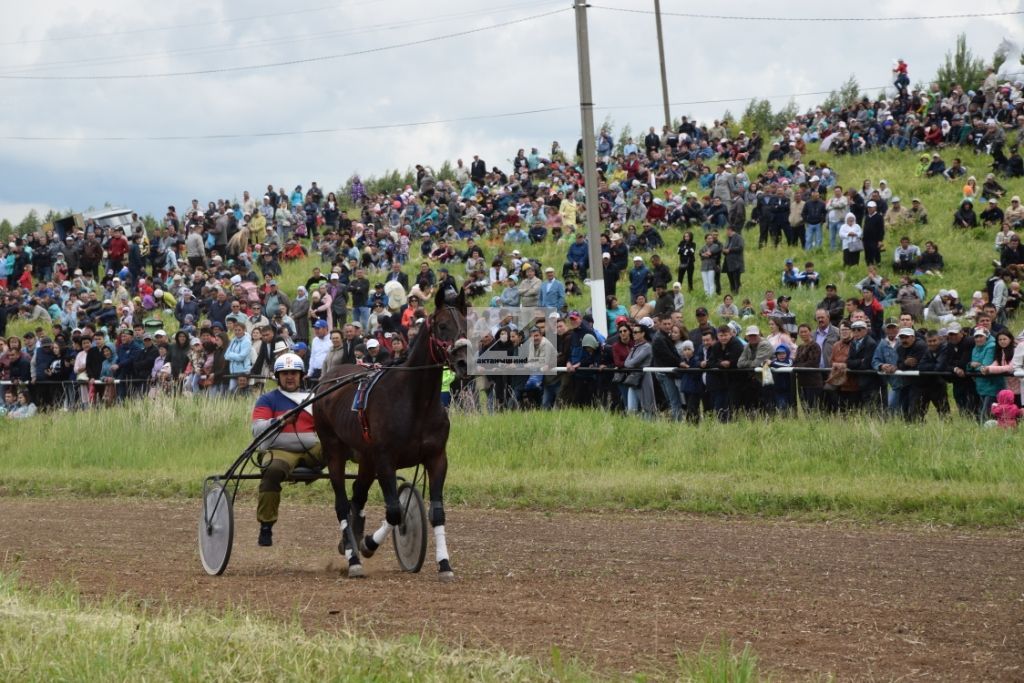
pixel 160 333
pixel 872 204
pixel 372 343
pixel 753 329
pixel 515 252
pixel 646 322
pixel 637 258
pixel 907 332
pixel 606 255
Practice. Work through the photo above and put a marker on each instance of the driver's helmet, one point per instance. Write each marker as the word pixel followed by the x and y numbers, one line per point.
pixel 288 361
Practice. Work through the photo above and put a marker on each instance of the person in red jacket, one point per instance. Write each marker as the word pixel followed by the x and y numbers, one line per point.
pixel 117 248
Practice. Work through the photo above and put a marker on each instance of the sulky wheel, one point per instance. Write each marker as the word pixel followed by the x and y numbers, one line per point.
pixel 216 529
pixel 411 535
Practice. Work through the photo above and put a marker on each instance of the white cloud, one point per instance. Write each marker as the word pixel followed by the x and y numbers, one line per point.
pixel 526 66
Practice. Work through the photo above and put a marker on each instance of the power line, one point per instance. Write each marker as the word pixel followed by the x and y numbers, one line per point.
pixel 281 40
pixel 174 27
pixel 292 62
pixel 725 17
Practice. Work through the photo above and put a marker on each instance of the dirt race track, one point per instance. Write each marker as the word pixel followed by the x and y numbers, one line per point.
pixel 621 591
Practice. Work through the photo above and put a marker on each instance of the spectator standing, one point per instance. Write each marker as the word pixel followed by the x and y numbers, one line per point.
pixel 734 262
pixel 873 234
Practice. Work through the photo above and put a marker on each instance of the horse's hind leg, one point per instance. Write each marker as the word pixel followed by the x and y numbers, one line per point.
pixel 437 470
pixel 336 468
pixel 360 490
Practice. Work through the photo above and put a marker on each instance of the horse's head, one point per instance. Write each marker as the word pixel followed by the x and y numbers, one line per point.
pixel 448 330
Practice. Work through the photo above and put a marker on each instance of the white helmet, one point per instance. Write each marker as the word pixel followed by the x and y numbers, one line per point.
pixel 288 361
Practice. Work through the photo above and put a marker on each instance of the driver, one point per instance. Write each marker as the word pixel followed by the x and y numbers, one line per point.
pixel 295 445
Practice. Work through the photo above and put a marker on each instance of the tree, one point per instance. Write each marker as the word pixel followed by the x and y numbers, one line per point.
pixel 1002 53
pixel 446 172
pixel 624 136
pixel 757 116
pixel 961 68
pixel 6 230
pixel 847 95
pixel 30 223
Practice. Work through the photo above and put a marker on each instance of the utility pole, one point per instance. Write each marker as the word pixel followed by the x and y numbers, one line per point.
pixel 597 302
pixel 661 60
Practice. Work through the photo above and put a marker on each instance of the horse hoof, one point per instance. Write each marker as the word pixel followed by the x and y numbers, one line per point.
pixel 355 571
pixel 364 548
pixel 446 577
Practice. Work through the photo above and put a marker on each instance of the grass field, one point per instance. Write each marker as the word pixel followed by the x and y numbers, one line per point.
pixel 54 635
pixel 944 471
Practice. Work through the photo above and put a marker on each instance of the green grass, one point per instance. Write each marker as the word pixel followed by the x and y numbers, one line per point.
pixel 943 471
pixel 54 635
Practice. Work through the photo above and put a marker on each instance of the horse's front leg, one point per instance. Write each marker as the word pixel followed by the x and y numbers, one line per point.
pixel 347 546
pixel 392 509
pixel 437 470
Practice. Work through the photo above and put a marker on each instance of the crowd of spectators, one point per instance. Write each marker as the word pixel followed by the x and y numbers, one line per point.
pixel 102 298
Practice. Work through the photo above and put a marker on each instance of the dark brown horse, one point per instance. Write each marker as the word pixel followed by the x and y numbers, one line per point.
pixel 403 425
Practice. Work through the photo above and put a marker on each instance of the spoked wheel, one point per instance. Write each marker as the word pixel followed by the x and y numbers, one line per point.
pixel 216 529
pixel 411 535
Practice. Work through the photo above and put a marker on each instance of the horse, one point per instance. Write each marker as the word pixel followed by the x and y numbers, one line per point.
pixel 402 424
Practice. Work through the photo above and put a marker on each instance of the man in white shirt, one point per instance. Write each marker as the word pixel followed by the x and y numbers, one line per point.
pixel 320 346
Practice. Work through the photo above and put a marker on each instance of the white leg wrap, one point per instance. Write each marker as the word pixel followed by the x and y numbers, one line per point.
pixel 381 534
pixel 440 546
pixel 344 525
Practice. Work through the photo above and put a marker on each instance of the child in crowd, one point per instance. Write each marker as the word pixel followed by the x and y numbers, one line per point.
pixel 1005 411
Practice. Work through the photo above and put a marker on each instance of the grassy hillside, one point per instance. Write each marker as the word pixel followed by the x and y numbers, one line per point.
pixel 968 254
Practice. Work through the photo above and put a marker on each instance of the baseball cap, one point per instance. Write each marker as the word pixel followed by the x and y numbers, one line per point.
pixel 954 328
pixel 575 315
pixel 646 322
pixel 891 322
pixel 980 332
pixel 907 332
pixel 300 346
pixel 273 283
pixel 516 252
pixel 895 200
pixel 335 276
pixel 160 333
pixel 549 269
pixel 621 319
pixel 830 285
pixel 859 325
pixel 372 343
pixel 637 258
pixel 872 204
pixel 753 329
pixel 701 311
pixel 320 324
pixel 606 255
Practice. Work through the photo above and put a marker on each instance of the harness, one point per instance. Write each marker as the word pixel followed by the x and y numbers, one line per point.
pixel 361 399
pixel 440 356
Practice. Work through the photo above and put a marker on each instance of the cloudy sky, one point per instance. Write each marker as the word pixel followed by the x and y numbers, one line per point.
pixel 71 49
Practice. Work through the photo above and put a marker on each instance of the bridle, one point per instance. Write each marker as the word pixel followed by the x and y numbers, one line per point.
pixel 441 349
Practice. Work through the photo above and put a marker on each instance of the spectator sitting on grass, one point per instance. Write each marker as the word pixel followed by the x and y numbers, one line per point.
pixel 24 409
pixel 937 167
pixel 809 277
pixel 906 256
pixel 918 214
pixel 992 216
pixel 790 275
pixel 965 217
